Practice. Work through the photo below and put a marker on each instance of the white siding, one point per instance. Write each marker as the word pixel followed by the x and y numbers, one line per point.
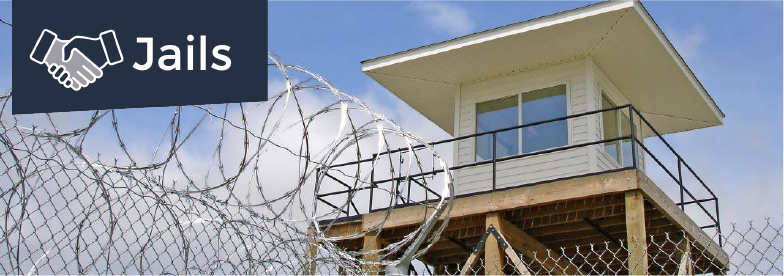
pixel 604 83
pixel 533 168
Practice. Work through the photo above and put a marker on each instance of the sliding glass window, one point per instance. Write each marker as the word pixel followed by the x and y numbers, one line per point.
pixel 616 124
pixel 541 105
pixel 493 115
pixel 529 107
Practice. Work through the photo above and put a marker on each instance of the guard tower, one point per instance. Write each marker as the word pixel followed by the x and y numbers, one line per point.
pixel 552 120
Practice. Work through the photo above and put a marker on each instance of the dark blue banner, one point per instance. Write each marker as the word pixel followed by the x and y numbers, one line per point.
pixel 89 55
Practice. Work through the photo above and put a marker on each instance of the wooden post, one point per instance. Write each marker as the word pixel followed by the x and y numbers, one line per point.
pixel 313 253
pixel 635 233
pixel 494 254
pixel 371 242
pixel 685 266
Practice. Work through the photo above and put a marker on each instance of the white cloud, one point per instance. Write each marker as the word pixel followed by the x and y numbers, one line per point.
pixel 445 17
pixel 689 41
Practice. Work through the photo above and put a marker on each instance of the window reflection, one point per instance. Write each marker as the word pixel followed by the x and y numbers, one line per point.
pixel 534 106
pixel 542 105
pixel 493 115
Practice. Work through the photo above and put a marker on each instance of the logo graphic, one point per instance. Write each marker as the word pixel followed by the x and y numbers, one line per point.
pixel 66 59
pixel 181 59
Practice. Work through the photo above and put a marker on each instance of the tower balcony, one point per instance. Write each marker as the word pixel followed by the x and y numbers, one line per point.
pixel 639 188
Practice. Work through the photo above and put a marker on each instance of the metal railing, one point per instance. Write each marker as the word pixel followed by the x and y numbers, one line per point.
pixel 687 197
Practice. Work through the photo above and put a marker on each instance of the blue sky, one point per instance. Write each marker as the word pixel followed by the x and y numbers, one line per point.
pixel 735 48
pixel 5 46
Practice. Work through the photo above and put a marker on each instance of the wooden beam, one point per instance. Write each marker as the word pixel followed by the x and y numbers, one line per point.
pixel 342 229
pixel 371 242
pixel 494 254
pixel 517 263
pixel 499 247
pixel 479 249
pixel 533 249
pixel 637 244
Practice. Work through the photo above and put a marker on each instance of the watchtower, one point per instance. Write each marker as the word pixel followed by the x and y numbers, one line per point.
pixel 552 120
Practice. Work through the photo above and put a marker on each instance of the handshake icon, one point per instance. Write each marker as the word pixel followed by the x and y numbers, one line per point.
pixel 79 61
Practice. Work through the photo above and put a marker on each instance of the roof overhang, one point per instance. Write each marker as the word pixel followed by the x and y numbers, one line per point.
pixel 621 37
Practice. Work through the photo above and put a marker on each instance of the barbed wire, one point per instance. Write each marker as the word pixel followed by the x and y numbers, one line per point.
pixel 231 189
pixel 219 189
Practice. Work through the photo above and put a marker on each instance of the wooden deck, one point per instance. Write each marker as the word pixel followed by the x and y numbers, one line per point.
pixel 599 209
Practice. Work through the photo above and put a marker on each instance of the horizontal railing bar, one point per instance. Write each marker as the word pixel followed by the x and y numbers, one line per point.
pixel 676 180
pixel 563 148
pixel 510 187
pixel 482 134
pixel 484 163
pixel 516 156
pixel 344 191
pixel 639 114
pixel 695 201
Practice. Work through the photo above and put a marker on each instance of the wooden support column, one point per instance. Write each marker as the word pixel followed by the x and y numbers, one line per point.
pixel 494 254
pixel 637 243
pixel 312 254
pixel 503 239
pixel 371 242
pixel 685 266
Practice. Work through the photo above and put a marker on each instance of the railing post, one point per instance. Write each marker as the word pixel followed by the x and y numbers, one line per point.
pixel 495 134
pixel 718 220
pixel 633 130
pixel 372 185
pixel 680 182
pixel 408 196
pixel 318 171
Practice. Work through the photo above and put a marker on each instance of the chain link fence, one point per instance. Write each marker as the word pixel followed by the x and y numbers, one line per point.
pixel 219 189
pixel 231 190
pixel 751 249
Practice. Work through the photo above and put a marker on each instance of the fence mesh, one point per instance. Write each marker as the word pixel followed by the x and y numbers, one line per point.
pixel 221 189
pixel 231 189
pixel 748 249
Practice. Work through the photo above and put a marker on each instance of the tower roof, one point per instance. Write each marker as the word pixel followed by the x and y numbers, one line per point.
pixel 621 37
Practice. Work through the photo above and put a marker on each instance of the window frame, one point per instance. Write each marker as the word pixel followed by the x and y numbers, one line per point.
pixel 476 122
pixel 621 114
pixel 519 92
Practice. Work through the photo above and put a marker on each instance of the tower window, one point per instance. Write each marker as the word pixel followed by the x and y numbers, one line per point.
pixel 529 107
pixel 616 124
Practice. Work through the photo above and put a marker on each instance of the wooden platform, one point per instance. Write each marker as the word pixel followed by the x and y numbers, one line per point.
pixel 559 214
